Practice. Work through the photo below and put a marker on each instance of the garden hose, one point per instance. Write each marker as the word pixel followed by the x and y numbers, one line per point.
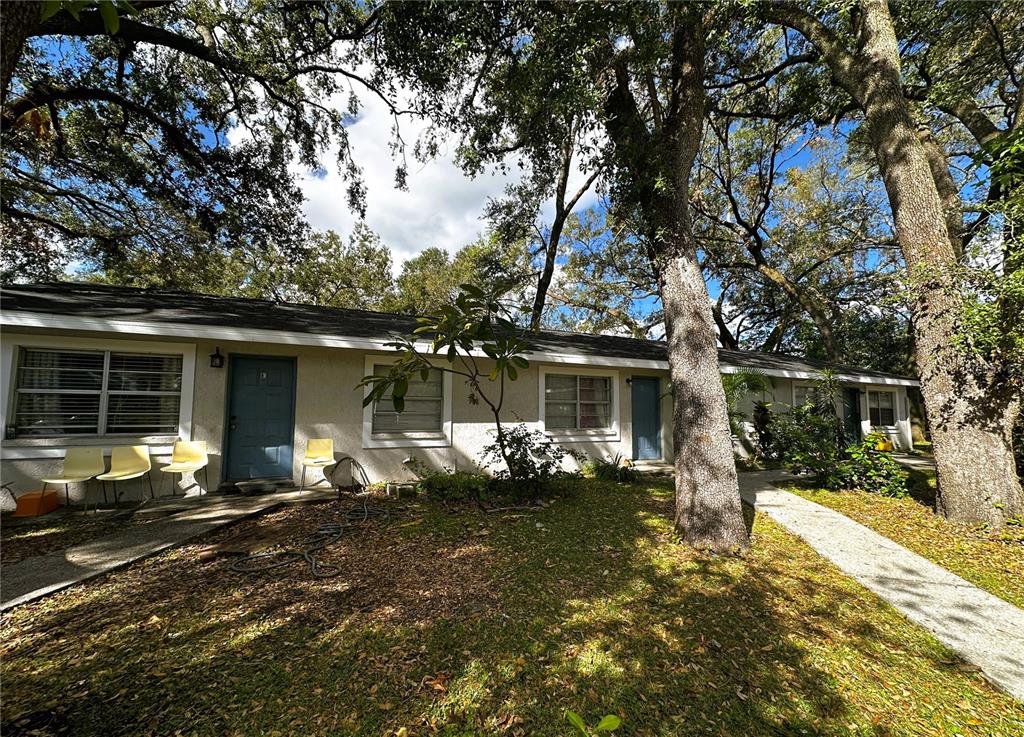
pixel 326 534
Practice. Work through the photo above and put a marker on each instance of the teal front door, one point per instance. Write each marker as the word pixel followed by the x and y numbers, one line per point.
pixel 646 418
pixel 851 415
pixel 261 415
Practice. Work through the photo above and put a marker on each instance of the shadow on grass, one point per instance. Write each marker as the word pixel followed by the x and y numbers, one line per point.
pixel 921 485
pixel 470 624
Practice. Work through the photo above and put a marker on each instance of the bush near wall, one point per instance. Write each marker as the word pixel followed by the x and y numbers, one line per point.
pixel 807 442
pixel 869 469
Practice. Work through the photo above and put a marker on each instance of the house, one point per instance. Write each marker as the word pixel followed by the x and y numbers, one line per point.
pixel 87 364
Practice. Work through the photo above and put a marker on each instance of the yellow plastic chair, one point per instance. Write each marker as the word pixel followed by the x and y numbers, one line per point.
pixel 80 465
pixel 319 454
pixel 188 456
pixel 128 462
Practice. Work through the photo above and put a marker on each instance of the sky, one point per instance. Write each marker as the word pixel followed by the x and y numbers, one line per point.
pixel 441 207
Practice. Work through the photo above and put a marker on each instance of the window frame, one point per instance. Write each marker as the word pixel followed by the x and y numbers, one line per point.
pixel 418 439
pixel 569 435
pixel 27 446
pixel 800 385
pixel 894 408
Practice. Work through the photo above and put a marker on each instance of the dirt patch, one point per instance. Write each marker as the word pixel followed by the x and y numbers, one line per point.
pixel 383 576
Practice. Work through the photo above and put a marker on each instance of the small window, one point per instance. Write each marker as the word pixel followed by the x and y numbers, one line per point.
pixel 577 402
pixel 96 393
pixel 424 405
pixel 882 409
pixel 802 395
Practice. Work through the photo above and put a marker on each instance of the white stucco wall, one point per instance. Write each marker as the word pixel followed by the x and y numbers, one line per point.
pixel 327 404
pixel 781 395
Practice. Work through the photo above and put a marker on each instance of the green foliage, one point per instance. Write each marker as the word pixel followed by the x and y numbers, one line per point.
pixel 614 469
pixel 326 270
pixel 877 339
pixel 809 438
pixel 453 485
pixel 607 282
pixel 609 723
pixel 109 10
pixel 866 468
pixel 525 458
pixel 429 281
pixel 803 441
pixel 169 135
pixel 738 387
pixel 476 322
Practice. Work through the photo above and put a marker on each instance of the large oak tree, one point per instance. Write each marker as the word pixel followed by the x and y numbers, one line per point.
pixel 973 400
pixel 173 135
pixel 633 75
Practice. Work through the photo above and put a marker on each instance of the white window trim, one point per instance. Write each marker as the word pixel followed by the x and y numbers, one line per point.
pixel 802 384
pixel 22 448
pixel 442 439
pixel 895 408
pixel 575 435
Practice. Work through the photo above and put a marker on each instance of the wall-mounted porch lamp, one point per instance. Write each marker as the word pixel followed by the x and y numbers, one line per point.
pixel 216 359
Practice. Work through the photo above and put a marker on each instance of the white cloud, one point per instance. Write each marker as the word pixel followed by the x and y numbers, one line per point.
pixel 441 207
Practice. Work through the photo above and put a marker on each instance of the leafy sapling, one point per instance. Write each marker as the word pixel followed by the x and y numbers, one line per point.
pixel 477 326
pixel 608 724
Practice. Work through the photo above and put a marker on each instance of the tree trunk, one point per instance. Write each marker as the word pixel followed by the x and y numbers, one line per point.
pixel 725 335
pixel 970 409
pixel 658 163
pixel 946 187
pixel 809 305
pixel 563 208
pixel 709 512
pixel 17 19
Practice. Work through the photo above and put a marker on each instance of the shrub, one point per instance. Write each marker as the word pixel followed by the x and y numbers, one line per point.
pixel 762 429
pixel 529 459
pixel 453 486
pixel 803 441
pixel 868 469
pixel 616 469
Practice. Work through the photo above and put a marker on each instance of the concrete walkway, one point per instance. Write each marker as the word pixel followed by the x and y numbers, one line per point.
pixel 915 462
pixel 982 628
pixel 33 578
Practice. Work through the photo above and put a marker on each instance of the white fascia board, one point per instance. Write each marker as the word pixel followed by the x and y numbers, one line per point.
pixel 259 335
pixel 591 360
pixel 796 374
pixel 184 330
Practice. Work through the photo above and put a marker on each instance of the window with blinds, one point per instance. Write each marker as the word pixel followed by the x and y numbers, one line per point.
pixel 882 409
pixel 424 406
pixel 66 392
pixel 577 402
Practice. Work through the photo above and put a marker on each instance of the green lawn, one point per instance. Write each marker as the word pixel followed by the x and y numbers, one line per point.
pixel 466 624
pixel 989 559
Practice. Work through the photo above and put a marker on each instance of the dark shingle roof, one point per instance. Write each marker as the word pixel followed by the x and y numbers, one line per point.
pixel 172 307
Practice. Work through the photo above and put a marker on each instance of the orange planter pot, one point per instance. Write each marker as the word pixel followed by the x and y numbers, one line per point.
pixel 36 503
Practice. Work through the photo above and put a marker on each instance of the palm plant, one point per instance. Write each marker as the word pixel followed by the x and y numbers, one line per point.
pixel 739 386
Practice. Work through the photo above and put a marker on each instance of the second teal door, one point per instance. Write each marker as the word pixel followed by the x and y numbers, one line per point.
pixel 646 418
